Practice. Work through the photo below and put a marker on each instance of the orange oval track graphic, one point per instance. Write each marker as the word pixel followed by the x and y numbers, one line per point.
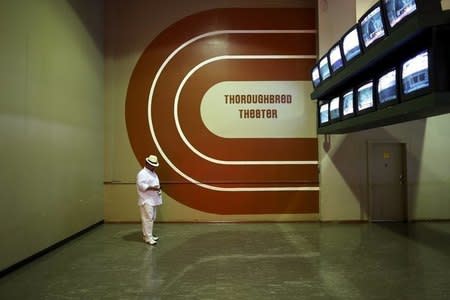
pixel 233 175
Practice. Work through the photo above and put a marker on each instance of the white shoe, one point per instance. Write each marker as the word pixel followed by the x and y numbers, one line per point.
pixel 155 238
pixel 151 241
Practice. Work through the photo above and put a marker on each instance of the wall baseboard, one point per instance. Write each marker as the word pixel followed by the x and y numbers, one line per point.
pixel 47 250
pixel 275 221
pixel 429 220
pixel 344 221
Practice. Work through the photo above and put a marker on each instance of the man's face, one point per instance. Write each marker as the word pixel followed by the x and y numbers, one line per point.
pixel 149 166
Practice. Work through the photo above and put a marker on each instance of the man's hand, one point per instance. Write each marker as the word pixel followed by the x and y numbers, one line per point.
pixel 154 188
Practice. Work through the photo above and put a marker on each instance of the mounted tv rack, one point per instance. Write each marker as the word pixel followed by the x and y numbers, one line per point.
pixel 422 30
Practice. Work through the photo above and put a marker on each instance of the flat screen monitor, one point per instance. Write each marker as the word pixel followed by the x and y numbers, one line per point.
pixel 324 68
pixel 335 112
pixel 372 25
pixel 397 10
pixel 387 88
pixel 315 76
pixel 365 97
pixel 348 104
pixel 351 44
pixel 324 114
pixel 415 73
pixel 335 57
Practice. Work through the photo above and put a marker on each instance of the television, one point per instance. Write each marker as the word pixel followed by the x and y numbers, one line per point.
pixel 335 112
pixel 387 88
pixel 348 104
pixel 324 68
pixel 315 76
pixel 365 97
pixel 372 25
pixel 324 117
pixel 398 10
pixel 351 44
pixel 335 58
pixel 415 75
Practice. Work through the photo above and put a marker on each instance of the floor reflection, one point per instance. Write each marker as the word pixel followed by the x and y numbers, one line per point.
pixel 244 261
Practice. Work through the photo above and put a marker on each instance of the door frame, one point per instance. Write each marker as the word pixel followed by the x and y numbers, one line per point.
pixel 404 151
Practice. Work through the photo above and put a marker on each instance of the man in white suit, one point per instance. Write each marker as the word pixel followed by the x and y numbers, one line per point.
pixel 149 191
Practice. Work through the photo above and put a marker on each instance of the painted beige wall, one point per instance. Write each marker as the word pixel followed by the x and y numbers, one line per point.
pixel 343 158
pixel 130 27
pixel 51 123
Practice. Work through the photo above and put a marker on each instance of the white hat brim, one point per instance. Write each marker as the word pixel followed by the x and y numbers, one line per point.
pixel 152 163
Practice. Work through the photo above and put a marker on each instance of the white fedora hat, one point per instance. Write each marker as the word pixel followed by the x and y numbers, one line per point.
pixel 152 160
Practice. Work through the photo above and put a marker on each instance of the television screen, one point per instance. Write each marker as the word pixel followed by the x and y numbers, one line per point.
pixel 315 76
pixel 397 10
pixel 351 45
pixel 415 75
pixel 334 109
pixel 372 26
pixel 347 104
pixel 324 68
pixel 387 87
pixel 324 117
pixel 336 58
pixel 365 96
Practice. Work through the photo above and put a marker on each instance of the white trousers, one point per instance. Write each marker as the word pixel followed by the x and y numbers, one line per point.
pixel 148 215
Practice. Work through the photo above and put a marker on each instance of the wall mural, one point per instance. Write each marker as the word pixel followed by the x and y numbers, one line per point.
pixel 220 97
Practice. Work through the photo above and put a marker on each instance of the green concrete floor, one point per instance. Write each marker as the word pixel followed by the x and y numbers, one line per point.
pixel 244 261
